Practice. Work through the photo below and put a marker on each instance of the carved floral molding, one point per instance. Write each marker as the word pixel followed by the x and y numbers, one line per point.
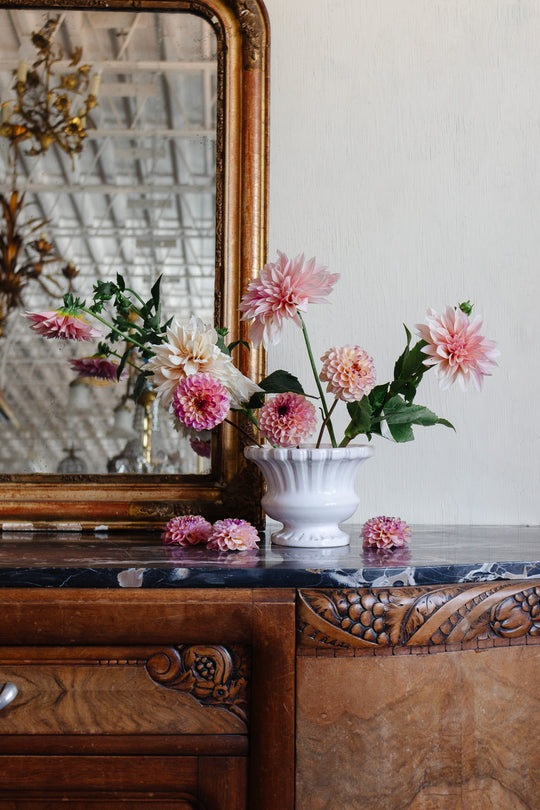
pixel 374 618
pixel 214 675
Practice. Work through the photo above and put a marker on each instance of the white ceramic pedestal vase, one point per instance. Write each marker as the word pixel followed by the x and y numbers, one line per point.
pixel 310 491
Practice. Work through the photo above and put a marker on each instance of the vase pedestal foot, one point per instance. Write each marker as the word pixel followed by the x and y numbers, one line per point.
pixel 319 536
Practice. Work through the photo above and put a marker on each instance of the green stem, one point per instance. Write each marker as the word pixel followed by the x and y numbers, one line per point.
pixel 128 289
pixel 128 362
pixel 128 338
pixel 241 429
pixel 327 423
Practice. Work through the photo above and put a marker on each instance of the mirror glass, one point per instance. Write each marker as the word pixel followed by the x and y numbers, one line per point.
pixel 138 200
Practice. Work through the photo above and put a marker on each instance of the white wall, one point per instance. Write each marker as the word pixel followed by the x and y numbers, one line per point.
pixel 405 155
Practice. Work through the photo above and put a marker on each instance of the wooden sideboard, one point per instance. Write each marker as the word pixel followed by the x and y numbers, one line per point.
pixel 197 683
pixel 170 699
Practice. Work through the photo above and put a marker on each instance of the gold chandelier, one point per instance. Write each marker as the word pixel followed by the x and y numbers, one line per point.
pixel 44 109
pixel 42 114
pixel 24 253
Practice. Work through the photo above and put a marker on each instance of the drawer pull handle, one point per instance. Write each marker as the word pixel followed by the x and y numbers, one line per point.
pixel 8 693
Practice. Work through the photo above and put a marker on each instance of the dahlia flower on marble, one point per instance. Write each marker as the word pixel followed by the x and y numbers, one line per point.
pixel 187 530
pixel 282 289
pixel 287 419
pixel 233 534
pixel 349 372
pixel 200 402
pixel 61 324
pixel 190 349
pixel 456 348
pixel 98 367
pixel 385 532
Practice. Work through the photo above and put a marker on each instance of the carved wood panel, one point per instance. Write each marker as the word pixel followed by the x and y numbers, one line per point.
pixel 443 617
pixel 185 689
pixel 214 675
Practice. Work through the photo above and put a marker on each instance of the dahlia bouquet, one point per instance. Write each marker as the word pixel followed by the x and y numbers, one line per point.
pixel 191 366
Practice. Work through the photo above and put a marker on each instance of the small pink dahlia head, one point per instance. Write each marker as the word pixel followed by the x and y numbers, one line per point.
pixel 287 419
pixel 349 372
pixel 456 348
pixel 282 289
pixel 200 402
pixel 59 323
pixel 98 367
pixel 233 534
pixel 187 530
pixel 385 532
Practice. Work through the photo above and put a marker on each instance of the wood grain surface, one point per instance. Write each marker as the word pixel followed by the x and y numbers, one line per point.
pixel 456 731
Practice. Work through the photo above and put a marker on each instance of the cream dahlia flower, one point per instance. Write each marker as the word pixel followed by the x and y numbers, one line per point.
pixel 192 349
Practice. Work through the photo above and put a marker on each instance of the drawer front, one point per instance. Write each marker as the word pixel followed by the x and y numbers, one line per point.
pixel 191 689
pixel 132 782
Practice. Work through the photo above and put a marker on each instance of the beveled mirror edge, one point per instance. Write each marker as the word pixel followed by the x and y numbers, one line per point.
pixel 234 488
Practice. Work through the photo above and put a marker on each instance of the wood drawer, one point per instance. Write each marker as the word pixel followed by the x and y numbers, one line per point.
pixel 184 690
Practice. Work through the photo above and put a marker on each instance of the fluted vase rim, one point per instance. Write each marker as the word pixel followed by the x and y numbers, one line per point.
pixel 254 451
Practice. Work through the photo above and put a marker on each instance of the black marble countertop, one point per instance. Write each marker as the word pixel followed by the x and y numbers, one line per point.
pixel 435 555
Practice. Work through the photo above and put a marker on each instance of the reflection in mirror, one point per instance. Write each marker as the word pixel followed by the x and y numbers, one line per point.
pixel 138 200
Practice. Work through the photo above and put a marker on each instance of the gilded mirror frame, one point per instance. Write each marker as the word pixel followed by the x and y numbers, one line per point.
pixel 233 488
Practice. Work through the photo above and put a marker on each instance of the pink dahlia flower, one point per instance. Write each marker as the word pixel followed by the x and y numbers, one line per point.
pixel 282 289
pixel 99 367
pixel 58 323
pixel 456 348
pixel 385 532
pixel 287 419
pixel 200 402
pixel 233 534
pixel 349 372
pixel 187 530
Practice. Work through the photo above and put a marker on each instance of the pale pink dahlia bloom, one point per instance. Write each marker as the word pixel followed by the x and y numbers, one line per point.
pixel 233 534
pixel 57 323
pixel 190 349
pixel 200 402
pixel 287 419
pixel 385 532
pixel 99 367
pixel 349 372
pixel 282 289
pixel 187 530
pixel 456 348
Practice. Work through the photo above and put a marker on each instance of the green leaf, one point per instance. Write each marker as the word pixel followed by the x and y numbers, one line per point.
pixel 360 413
pixel 280 381
pixel 220 343
pixel 446 423
pixel 155 292
pixel 140 384
pixel 120 282
pixel 413 364
pixel 401 433
pixel 401 359
pixel 236 343
pixel 377 397
pixel 398 412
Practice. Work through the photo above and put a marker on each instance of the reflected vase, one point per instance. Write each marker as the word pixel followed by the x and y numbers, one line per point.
pixel 310 491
